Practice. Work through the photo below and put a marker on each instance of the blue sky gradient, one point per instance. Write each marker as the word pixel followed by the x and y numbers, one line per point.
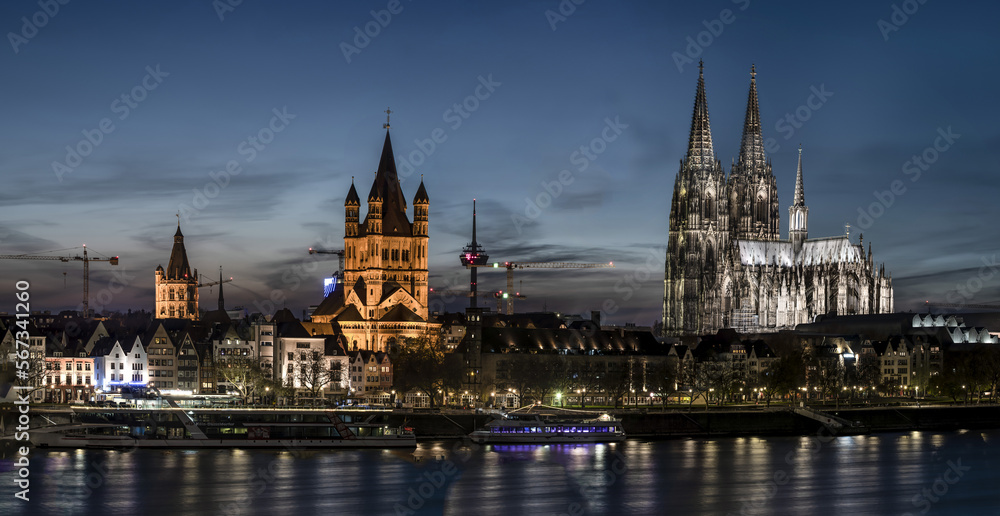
pixel 556 81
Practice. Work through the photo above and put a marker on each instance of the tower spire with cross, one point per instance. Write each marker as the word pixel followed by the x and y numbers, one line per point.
pixel 387 113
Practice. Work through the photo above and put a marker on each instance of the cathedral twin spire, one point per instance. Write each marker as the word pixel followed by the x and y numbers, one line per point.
pixel 753 210
pixel 700 152
pixel 752 156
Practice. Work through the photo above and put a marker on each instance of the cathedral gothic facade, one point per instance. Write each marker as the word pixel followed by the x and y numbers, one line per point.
pixel 727 265
pixel 384 299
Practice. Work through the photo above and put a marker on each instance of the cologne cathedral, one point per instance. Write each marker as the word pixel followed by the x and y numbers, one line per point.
pixel 727 265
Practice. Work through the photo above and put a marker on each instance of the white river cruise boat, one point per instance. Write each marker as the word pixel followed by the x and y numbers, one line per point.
pixel 532 429
pixel 222 428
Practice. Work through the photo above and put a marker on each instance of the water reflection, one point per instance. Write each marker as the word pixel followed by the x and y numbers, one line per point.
pixel 877 474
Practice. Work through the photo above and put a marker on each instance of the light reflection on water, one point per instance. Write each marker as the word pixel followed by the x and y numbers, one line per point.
pixel 878 474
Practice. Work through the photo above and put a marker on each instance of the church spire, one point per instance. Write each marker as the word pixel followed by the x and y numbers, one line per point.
pixel 222 303
pixel 798 212
pixel 752 146
pixel 800 195
pixel 700 151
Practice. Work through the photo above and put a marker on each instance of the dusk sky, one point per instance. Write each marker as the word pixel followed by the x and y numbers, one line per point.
pixel 547 85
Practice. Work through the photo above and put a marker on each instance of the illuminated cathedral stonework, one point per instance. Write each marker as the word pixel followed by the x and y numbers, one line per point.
pixel 727 266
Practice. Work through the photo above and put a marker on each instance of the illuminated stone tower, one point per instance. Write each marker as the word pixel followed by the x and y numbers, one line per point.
pixel 177 286
pixel 385 265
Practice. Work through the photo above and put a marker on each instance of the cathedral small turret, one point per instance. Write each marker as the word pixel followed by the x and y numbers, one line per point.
pixel 798 212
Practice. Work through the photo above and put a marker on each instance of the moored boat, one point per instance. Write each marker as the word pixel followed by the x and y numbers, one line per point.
pixel 532 429
pixel 222 428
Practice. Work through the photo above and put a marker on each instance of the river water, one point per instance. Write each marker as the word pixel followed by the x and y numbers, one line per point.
pixel 897 473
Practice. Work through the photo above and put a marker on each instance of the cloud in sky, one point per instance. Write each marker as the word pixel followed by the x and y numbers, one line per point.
pixel 556 90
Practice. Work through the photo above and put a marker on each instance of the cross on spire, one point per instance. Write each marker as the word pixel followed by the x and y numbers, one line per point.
pixel 387 113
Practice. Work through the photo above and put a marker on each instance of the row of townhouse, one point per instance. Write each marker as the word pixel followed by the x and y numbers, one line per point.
pixel 78 362
pixel 901 357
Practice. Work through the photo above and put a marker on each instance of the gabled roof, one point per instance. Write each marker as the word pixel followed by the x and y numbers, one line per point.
pixel 350 313
pixel 316 329
pixel 331 303
pixel 333 348
pixel 502 340
pixel 760 349
pixel 362 354
pixel 293 330
pixel 284 315
pixel 130 343
pixel 815 251
pixel 220 316
pixel 389 287
pixel 361 289
pixel 103 346
pixel 400 313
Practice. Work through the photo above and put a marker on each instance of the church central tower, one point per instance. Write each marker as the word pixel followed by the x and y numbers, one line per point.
pixel 384 299
pixel 177 286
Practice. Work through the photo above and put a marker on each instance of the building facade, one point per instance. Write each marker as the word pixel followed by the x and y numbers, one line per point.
pixel 120 363
pixel 726 263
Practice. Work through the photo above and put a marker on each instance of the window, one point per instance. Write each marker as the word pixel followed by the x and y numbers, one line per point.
pixel 87 367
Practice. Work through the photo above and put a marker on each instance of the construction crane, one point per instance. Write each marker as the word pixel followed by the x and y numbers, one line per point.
pixel 213 283
pixel 86 259
pixel 339 253
pixel 328 287
pixel 510 266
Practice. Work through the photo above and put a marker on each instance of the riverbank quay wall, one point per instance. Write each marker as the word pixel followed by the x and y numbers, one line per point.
pixel 697 422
